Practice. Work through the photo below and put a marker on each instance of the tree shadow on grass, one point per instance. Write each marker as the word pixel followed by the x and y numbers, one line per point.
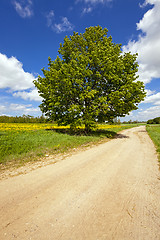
pixel 94 133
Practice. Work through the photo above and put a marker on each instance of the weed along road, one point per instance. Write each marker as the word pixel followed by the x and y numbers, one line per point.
pixel 110 191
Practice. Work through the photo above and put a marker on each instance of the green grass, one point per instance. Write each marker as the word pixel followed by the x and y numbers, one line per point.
pixel 18 147
pixel 154 133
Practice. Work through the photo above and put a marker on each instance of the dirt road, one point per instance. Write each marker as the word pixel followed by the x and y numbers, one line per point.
pixel 111 191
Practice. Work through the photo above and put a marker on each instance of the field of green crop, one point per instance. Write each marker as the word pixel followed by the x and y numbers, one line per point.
pixel 154 133
pixel 23 142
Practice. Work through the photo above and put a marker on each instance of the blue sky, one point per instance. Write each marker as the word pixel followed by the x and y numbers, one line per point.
pixel 31 31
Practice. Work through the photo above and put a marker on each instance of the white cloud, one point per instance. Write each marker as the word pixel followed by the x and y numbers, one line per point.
pixel 15 106
pixel 24 8
pixel 32 95
pixel 12 74
pixel 87 10
pixel 64 26
pixel 91 4
pixel 154 99
pixel 50 17
pixel 148 2
pixel 15 80
pixel 23 108
pixel 14 109
pixel 143 114
pixel 150 108
pixel 149 92
pixel 148 44
pixel 149 113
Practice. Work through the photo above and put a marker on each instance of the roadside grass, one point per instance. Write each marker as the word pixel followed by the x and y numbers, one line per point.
pixel 154 133
pixel 21 143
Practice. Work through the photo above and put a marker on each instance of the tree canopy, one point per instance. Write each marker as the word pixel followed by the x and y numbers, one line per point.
pixel 90 81
pixel 154 121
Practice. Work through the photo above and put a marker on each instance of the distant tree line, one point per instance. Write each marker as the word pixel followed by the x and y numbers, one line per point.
pixel 133 122
pixel 22 119
pixel 154 121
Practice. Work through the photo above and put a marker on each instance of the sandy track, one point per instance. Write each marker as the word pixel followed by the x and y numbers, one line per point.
pixel 111 191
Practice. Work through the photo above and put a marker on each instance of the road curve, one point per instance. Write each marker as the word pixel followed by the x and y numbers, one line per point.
pixel 110 191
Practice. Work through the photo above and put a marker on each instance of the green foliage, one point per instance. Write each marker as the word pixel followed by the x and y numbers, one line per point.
pixel 154 133
pixel 93 82
pixel 26 146
pixel 18 147
pixel 154 121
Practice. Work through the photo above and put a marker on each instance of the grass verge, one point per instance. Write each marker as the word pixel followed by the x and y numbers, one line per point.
pixel 154 133
pixel 20 146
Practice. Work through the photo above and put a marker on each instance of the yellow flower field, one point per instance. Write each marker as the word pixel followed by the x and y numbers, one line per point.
pixel 26 126
pixel 40 126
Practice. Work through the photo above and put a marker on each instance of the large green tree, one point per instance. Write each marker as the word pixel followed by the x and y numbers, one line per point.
pixel 91 82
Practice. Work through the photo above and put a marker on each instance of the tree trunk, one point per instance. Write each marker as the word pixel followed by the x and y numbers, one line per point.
pixel 87 128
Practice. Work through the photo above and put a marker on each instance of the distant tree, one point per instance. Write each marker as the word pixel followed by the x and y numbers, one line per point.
pixel 118 121
pixel 154 121
pixel 150 121
pixel 92 81
pixel 157 120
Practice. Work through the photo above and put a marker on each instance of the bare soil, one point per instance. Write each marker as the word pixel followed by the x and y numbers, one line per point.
pixel 110 191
